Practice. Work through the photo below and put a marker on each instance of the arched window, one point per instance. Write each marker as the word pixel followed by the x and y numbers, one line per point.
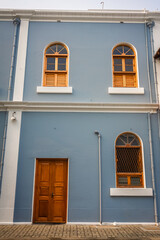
pixel 129 167
pixel 124 67
pixel 56 66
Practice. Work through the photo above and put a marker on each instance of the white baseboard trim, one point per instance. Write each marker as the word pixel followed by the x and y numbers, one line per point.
pixel 19 223
pixel 15 223
pixel 84 223
pixel 88 223
pixel 6 223
pixel 128 223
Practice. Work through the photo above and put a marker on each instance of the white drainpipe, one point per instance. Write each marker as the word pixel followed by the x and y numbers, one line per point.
pixel 151 25
pixel 100 177
pixel 152 169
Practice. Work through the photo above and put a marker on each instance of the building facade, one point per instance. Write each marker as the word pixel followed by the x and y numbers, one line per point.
pixel 79 117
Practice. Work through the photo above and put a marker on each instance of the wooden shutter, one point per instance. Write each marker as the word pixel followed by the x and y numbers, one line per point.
pixel 50 80
pixel 130 80
pixel 118 80
pixel 62 80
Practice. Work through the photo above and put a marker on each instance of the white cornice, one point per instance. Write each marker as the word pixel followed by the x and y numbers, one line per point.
pixel 85 15
pixel 78 107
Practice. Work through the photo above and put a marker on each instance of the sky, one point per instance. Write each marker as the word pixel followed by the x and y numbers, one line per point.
pixel 152 5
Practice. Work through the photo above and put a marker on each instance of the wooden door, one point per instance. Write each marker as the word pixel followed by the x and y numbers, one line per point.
pixel 50 199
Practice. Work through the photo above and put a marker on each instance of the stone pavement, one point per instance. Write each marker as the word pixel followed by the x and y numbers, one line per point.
pixel 81 232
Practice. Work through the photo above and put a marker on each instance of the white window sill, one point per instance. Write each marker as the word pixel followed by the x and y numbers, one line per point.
pixel 41 89
pixel 133 192
pixel 123 90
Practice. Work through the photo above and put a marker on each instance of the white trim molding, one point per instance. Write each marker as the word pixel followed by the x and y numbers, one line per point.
pixel 123 90
pixel 79 107
pixel 7 199
pixel 68 190
pixel 6 223
pixel 16 223
pixel 83 223
pixel 21 61
pixel 41 89
pixel 34 178
pixel 21 223
pixel 128 223
pixel 131 192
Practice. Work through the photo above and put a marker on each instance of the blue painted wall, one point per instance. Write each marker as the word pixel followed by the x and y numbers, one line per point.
pixel 6 44
pixel 90 69
pixel 71 135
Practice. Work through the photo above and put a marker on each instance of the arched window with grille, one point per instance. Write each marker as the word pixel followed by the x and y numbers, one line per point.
pixel 129 166
pixel 124 66
pixel 56 66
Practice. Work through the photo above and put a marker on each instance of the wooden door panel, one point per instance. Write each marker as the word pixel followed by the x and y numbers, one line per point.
pixel 50 191
pixel 59 168
pixel 59 200
pixel 59 211
pixel 43 208
pixel 42 191
pixel 44 172
pixel 59 192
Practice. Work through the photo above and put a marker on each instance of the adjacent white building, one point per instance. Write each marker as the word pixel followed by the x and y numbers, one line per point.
pixel 156 37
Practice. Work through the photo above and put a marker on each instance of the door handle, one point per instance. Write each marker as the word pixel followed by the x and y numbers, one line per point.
pixel 52 195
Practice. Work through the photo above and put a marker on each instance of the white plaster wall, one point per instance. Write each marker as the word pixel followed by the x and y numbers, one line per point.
pixel 156 35
pixel 7 196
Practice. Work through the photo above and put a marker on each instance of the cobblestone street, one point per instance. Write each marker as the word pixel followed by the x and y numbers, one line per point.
pixel 44 232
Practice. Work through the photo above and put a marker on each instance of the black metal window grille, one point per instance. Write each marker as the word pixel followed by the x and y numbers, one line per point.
pixel 129 168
